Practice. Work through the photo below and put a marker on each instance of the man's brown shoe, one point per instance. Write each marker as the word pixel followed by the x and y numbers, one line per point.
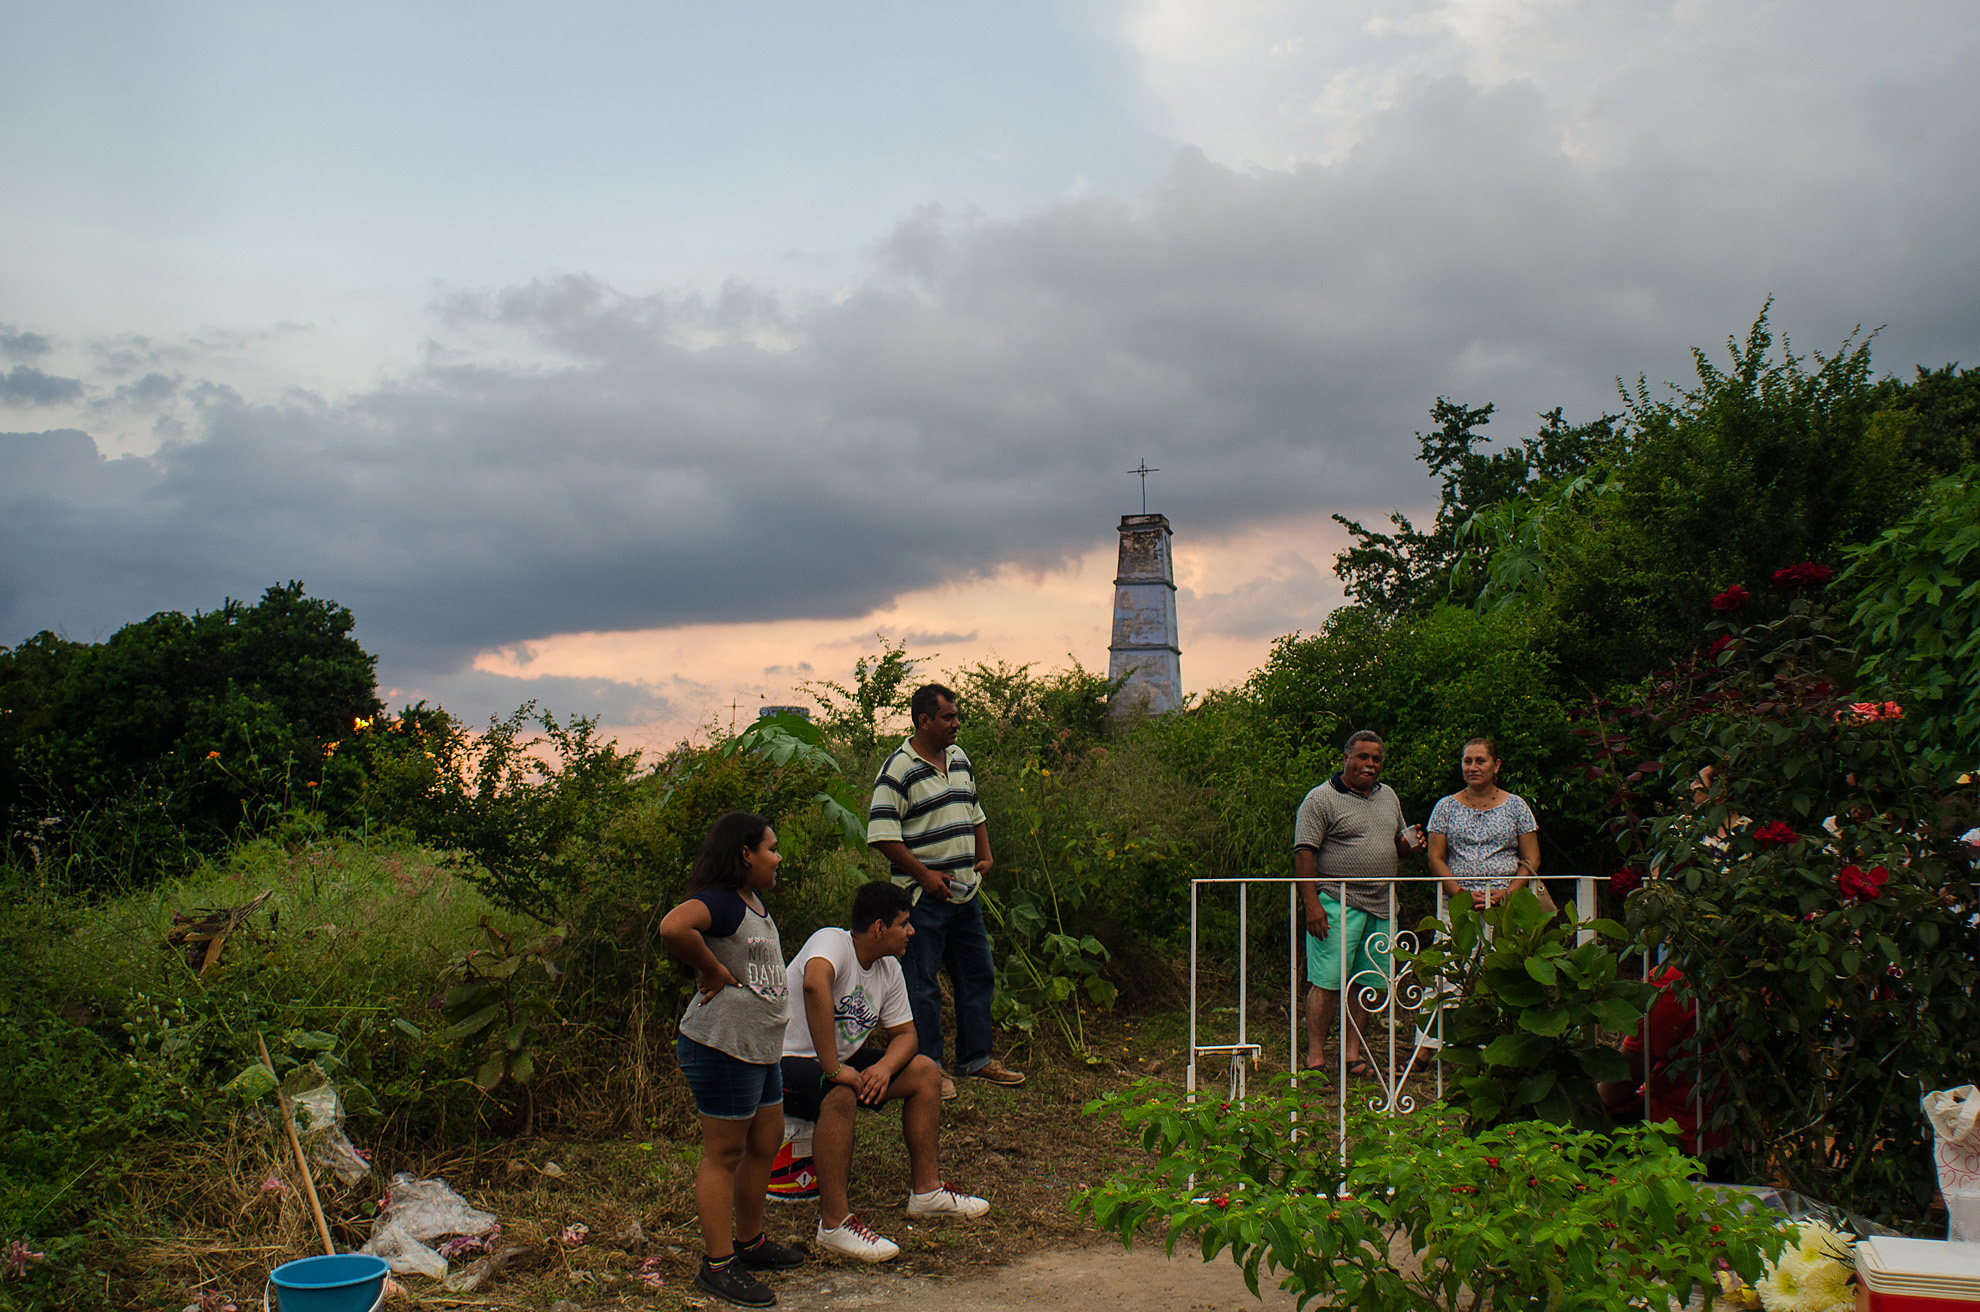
pixel 998 1073
pixel 948 1088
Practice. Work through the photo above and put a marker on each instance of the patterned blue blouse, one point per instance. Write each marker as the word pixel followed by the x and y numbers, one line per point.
pixel 1483 850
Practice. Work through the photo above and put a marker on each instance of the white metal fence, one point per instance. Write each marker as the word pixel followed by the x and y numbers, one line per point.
pixel 1391 992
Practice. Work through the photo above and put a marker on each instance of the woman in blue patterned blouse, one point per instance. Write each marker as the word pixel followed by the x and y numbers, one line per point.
pixel 1484 842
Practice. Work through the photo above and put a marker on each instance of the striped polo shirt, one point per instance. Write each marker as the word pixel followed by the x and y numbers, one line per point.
pixel 934 812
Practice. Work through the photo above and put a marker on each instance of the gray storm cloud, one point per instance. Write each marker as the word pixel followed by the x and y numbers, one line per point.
pixel 571 457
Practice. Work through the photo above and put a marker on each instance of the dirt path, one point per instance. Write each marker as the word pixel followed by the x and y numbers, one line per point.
pixel 1097 1279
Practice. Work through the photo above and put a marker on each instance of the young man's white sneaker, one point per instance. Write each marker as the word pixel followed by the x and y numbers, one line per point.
pixel 944 1201
pixel 851 1238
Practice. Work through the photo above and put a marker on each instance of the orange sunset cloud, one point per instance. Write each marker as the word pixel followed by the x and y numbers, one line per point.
pixel 1235 593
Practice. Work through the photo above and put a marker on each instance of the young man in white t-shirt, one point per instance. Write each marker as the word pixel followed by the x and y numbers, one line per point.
pixel 850 983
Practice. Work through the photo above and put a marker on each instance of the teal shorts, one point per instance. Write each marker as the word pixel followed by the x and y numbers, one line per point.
pixel 1367 953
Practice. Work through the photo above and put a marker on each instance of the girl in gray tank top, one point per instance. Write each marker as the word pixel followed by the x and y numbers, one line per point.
pixel 731 1047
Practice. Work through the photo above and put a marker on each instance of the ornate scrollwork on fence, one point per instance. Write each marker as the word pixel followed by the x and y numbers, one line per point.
pixel 1395 994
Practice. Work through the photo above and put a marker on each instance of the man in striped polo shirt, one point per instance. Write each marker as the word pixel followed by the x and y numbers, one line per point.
pixel 926 821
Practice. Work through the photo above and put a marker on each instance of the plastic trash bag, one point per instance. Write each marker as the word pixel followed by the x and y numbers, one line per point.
pixel 403 1253
pixel 1798 1207
pixel 1954 1115
pixel 319 1116
pixel 417 1211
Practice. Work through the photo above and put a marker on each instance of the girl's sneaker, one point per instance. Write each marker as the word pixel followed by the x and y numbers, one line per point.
pixel 732 1283
pixel 852 1239
pixel 766 1256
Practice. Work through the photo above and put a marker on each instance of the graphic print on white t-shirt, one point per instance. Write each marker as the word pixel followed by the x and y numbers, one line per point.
pixel 855 1015
pixel 863 998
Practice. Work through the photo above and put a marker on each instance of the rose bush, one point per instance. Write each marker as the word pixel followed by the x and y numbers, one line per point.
pixel 1812 888
pixel 1775 834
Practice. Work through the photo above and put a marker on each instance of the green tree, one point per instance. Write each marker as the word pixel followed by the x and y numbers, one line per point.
pixel 186 727
pixel 1760 465
pixel 1936 414
pixel 1410 570
pixel 862 716
pixel 1917 615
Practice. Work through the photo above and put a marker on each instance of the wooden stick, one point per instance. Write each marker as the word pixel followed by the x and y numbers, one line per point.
pixel 302 1163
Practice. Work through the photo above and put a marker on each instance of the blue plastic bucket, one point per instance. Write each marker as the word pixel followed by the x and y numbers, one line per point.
pixel 347 1282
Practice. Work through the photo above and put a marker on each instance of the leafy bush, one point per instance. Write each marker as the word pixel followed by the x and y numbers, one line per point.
pixel 1529 1007
pixel 1526 1215
pixel 865 715
pixel 497 1018
pixel 1013 716
pixel 528 807
pixel 1759 464
pixel 1046 879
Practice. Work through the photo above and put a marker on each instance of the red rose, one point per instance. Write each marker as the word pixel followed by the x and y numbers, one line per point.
pixel 1719 644
pixel 1774 834
pixel 1731 599
pixel 1625 881
pixel 1862 885
pixel 1805 575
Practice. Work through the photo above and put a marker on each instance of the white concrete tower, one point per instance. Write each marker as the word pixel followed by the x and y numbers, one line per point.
pixel 1145 646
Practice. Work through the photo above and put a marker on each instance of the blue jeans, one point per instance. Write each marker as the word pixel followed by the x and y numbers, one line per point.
pixel 951 934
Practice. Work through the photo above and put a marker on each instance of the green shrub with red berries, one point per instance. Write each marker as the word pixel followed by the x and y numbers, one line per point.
pixel 1419 1216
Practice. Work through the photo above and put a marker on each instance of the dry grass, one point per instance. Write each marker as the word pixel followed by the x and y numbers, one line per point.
pixel 214 1226
pixel 1027 1150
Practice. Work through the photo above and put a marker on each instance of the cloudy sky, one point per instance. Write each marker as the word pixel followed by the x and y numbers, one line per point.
pixel 649 358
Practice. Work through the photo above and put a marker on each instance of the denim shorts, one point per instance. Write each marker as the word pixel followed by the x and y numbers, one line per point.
pixel 727 1088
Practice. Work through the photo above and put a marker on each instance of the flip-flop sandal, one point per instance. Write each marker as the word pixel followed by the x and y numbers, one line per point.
pixel 1322 1071
pixel 1359 1069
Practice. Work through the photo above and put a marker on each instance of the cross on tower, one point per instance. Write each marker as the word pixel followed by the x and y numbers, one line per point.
pixel 1143 468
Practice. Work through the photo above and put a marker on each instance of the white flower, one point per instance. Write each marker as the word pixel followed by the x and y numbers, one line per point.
pixel 1811 1275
